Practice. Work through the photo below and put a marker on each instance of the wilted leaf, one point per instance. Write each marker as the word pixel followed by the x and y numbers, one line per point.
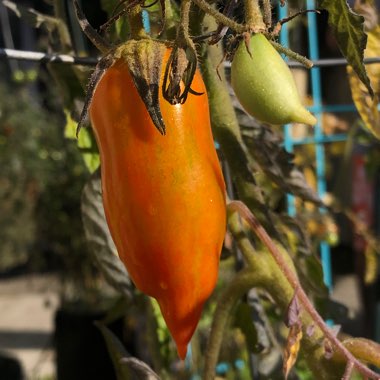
pixel 117 352
pixel 265 146
pixel 86 143
pixel 329 350
pixel 371 265
pixel 31 16
pixel 99 237
pixel 293 342
pixel 292 348
pixel 126 366
pixel 367 106
pixel 310 330
pixel 39 20
pixel 141 370
pixel 293 314
pixel 335 330
pixel 348 28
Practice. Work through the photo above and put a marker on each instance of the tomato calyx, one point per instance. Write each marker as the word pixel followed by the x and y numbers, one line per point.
pixel 180 70
pixel 144 60
pixel 103 65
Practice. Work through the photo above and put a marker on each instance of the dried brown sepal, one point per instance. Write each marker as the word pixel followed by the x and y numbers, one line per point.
pixel 247 40
pixel 102 44
pixel 277 27
pixel 222 29
pixel 163 16
pixel 179 74
pixel 119 13
pixel 103 65
pixel 144 60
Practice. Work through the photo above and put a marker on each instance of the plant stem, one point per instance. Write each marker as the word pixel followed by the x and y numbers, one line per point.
pixel 90 32
pixel 136 23
pixel 243 210
pixel 241 283
pixel 291 54
pixel 220 17
pixel 253 16
pixel 267 8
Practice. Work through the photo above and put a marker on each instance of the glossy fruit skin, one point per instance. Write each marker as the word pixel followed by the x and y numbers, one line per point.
pixel 164 196
pixel 265 86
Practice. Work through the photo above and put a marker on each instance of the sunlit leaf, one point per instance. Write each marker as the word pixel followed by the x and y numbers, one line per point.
pixel 348 28
pixel 367 106
pixel 371 265
pixel 86 143
pixel 364 349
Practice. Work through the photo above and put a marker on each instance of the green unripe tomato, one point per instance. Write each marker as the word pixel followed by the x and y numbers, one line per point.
pixel 265 85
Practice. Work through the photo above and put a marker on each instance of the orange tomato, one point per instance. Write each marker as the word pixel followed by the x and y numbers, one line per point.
pixel 164 196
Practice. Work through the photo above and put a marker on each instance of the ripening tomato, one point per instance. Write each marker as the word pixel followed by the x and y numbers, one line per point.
pixel 164 196
pixel 265 86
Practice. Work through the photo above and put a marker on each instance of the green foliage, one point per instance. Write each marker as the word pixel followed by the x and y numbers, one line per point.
pixel 41 178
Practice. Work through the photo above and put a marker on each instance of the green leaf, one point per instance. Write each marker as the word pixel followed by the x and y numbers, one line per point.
pixel 348 28
pixel 86 143
pixel 100 240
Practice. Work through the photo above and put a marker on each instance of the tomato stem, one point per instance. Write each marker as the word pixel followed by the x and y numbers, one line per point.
pixel 240 284
pixel 220 17
pixel 267 10
pixel 292 54
pixel 90 32
pixel 253 16
pixel 136 23
pixel 291 277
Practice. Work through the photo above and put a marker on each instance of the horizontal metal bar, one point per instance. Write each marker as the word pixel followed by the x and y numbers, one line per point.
pixel 326 62
pixel 320 140
pixel 24 55
pixel 333 108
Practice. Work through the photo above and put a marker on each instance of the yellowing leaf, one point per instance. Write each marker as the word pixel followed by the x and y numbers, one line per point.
pixel 367 106
pixel 292 348
pixel 371 265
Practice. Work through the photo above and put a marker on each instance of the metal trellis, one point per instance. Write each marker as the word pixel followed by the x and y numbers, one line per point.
pixel 318 139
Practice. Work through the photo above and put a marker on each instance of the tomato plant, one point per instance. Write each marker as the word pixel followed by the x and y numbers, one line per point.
pixel 163 189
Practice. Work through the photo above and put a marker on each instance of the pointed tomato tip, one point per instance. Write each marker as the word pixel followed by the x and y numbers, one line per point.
pixel 182 351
